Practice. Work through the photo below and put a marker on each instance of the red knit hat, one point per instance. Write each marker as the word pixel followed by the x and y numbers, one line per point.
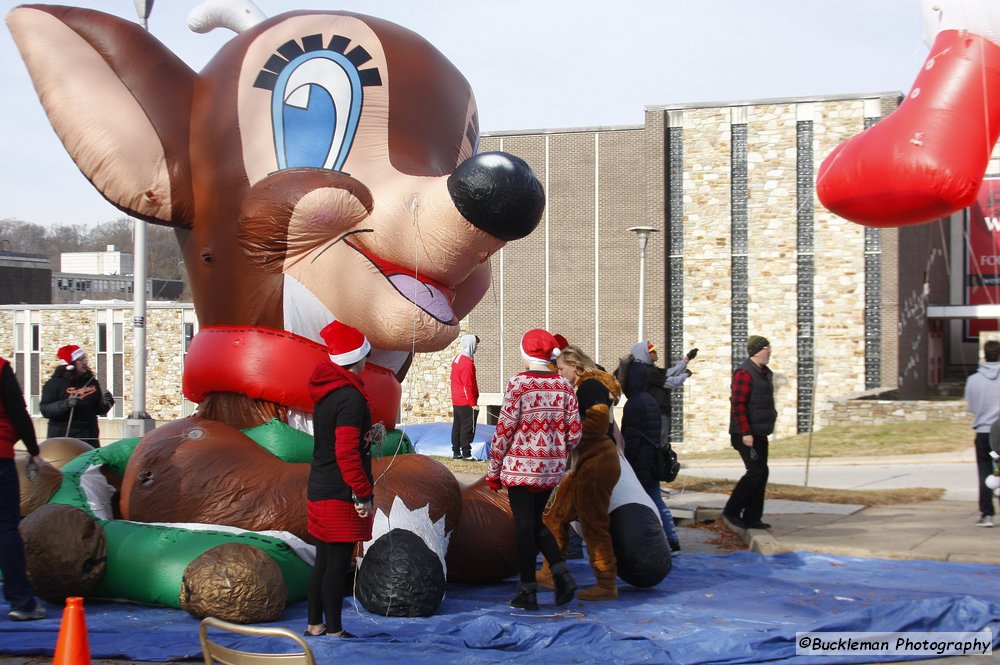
pixel 561 342
pixel 539 347
pixel 346 345
pixel 69 354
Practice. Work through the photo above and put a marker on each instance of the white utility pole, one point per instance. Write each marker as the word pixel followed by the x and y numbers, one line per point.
pixel 643 232
pixel 138 421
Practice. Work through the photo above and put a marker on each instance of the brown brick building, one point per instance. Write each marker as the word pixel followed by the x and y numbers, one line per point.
pixel 744 247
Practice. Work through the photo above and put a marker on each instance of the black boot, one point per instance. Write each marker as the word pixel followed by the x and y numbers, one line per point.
pixel 565 584
pixel 526 598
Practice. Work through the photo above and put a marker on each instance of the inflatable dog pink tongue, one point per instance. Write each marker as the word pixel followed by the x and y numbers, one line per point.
pixel 322 166
pixel 926 160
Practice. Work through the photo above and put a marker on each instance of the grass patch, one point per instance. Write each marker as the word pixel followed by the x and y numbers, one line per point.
pixel 860 441
pixel 462 466
pixel 689 483
pixel 883 497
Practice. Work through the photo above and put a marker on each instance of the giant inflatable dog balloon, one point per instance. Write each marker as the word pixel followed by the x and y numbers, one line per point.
pixel 927 159
pixel 322 166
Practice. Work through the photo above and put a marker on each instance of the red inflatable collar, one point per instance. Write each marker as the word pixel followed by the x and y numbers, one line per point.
pixel 273 365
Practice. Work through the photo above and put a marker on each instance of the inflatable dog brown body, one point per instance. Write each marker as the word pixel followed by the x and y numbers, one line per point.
pixel 322 166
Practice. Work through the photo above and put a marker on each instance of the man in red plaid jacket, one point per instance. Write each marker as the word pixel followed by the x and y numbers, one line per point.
pixel 751 420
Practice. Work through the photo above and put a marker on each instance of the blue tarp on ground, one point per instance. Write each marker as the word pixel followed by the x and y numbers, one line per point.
pixel 738 608
pixel 434 439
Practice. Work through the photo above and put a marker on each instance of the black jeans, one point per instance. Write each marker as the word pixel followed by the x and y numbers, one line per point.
pixel 326 584
pixel 16 587
pixel 530 533
pixel 463 428
pixel 984 464
pixel 747 499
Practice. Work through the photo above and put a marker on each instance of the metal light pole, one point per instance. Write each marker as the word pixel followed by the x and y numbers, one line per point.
pixel 643 233
pixel 138 421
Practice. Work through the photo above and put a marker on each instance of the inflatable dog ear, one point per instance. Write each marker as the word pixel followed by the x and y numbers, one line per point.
pixel 119 101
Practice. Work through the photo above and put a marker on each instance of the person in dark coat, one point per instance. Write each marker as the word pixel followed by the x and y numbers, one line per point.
pixel 641 430
pixel 340 485
pixel 15 424
pixel 661 380
pixel 72 398
pixel 751 421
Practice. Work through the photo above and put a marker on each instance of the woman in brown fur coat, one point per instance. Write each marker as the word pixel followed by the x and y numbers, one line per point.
pixel 585 493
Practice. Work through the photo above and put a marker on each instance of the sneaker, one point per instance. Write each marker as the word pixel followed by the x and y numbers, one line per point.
pixel 758 525
pixel 986 521
pixel 35 614
pixel 675 549
pixel 469 458
pixel 457 456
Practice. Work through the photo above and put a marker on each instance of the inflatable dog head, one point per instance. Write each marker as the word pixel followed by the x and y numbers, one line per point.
pixel 322 166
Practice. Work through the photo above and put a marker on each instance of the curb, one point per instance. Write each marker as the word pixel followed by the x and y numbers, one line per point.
pixel 765 543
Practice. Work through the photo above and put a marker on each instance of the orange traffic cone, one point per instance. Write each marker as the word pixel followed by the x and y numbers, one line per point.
pixel 72 648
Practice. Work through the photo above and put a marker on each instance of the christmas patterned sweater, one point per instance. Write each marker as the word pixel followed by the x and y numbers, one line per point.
pixel 538 427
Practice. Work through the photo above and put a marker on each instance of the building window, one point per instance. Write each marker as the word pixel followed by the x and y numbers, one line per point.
pixel 806 277
pixel 740 212
pixel 187 407
pixel 27 363
pixel 111 364
pixel 674 194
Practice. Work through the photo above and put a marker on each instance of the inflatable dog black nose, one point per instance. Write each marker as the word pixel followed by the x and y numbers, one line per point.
pixel 499 194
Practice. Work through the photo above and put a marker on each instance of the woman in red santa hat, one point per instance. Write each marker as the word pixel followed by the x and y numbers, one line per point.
pixel 72 398
pixel 537 429
pixel 340 480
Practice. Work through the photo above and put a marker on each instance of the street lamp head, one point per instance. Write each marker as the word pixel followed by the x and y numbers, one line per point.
pixel 643 231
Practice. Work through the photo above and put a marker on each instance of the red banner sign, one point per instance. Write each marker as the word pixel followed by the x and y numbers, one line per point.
pixel 982 255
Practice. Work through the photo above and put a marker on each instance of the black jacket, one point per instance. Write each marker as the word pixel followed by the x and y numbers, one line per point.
pixel 640 424
pixel 761 413
pixel 342 462
pixel 79 422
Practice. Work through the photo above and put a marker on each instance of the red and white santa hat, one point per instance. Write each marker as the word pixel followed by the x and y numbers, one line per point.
pixel 539 347
pixel 344 344
pixel 69 354
pixel 561 341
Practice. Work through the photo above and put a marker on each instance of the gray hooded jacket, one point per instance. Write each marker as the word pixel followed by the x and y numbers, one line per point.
pixel 982 392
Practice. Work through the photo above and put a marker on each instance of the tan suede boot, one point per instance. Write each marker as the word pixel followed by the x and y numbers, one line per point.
pixel 605 589
pixel 543 576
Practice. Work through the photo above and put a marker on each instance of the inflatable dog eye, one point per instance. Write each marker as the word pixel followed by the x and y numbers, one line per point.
pixel 927 159
pixel 321 166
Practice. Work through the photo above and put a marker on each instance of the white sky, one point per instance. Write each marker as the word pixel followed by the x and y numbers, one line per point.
pixel 532 64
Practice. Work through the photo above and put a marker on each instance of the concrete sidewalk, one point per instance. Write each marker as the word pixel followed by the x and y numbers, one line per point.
pixel 954 472
pixel 935 530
